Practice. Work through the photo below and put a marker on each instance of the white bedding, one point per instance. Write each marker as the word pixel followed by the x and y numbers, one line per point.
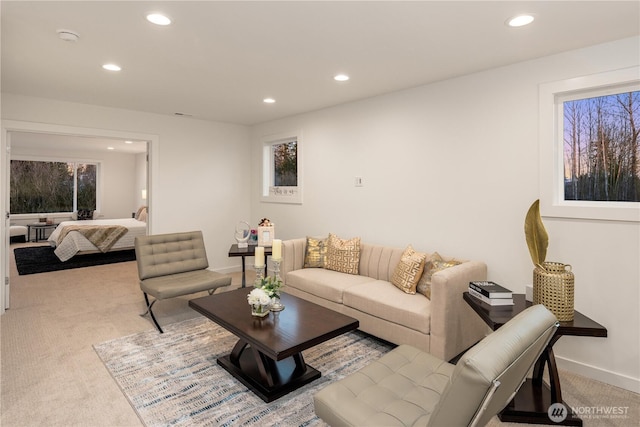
pixel 75 242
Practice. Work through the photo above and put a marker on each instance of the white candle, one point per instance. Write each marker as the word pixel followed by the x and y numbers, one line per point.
pixel 276 249
pixel 259 256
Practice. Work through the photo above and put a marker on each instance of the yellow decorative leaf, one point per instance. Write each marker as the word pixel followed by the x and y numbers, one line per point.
pixel 536 234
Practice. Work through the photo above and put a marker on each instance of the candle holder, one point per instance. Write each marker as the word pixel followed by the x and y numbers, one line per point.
pixel 276 305
pixel 276 268
pixel 259 276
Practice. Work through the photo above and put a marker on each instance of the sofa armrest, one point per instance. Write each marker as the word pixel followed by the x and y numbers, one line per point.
pixel 454 325
pixel 293 251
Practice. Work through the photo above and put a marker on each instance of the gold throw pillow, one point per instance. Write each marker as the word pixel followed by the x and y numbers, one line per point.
pixel 432 266
pixel 343 255
pixel 315 253
pixel 408 271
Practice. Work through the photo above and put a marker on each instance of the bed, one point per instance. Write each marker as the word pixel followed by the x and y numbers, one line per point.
pixel 68 238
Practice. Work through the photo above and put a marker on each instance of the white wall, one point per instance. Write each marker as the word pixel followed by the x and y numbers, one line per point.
pixel 453 167
pixel 199 179
pixel 118 172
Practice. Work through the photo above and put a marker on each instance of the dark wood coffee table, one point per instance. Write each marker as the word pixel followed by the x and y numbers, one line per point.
pixel 268 355
pixel 531 403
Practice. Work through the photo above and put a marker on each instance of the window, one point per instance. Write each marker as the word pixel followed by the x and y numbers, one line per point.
pixel 601 148
pixel 52 186
pixel 282 178
pixel 590 147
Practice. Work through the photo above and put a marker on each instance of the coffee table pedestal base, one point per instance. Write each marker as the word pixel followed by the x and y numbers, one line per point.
pixel 269 379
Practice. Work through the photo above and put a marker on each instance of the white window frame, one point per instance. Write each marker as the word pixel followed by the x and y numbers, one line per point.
pixel 269 192
pixel 551 145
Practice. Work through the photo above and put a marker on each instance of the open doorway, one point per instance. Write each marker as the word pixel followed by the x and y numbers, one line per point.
pixel 124 175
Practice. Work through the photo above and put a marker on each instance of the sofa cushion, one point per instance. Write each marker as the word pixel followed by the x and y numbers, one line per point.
pixel 315 255
pixel 381 299
pixel 343 255
pixel 434 264
pixel 408 271
pixel 323 283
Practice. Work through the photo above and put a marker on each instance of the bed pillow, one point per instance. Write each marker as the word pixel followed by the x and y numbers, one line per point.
pixel 434 264
pixel 84 214
pixel 343 255
pixel 408 271
pixel 315 253
pixel 141 215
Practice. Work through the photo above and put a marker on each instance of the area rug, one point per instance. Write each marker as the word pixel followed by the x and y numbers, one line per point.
pixel 42 259
pixel 172 379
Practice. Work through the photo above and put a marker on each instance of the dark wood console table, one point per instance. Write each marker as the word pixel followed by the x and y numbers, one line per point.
pixel 531 403
pixel 234 251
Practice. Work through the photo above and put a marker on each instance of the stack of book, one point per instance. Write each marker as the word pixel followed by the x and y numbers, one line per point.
pixel 490 293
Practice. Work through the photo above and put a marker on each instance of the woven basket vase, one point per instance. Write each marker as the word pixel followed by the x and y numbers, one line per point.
pixel 554 289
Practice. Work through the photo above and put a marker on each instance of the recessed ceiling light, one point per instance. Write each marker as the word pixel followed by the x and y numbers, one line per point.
pixel 158 19
pixel 520 20
pixel 112 67
pixel 68 35
pixel 341 77
pixel 128 142
pixel 269 101
pixel 110 148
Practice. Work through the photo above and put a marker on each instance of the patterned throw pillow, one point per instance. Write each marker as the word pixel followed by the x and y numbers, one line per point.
pixel 343 255
pixel 316 253
pixel 85 214
pixel 407 273
pixel 432 266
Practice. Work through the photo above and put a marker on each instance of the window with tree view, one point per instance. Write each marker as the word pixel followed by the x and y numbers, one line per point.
pixel 285 164
pixel 601 148
pixel 49 187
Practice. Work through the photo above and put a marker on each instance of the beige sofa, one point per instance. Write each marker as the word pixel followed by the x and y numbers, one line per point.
pixel 444 325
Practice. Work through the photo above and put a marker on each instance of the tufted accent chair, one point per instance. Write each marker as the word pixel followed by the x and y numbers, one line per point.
pixel 408 387
pixel 172 265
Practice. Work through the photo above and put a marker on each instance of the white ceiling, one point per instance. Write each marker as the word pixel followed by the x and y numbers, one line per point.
pixel 218 60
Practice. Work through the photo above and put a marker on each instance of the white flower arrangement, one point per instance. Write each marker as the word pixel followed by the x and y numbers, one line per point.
pixel 258 297
pixel 271 286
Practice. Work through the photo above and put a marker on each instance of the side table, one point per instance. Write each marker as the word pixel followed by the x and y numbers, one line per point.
pixel 531 403
pixel 234 251
pixel 40 228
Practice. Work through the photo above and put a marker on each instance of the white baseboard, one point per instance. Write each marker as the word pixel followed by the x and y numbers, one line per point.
pixel 599 374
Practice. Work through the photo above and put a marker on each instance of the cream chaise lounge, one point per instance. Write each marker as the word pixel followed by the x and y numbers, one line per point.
pixel 408 387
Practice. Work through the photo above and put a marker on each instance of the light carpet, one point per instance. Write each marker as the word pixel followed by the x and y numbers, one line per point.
pixel 173 379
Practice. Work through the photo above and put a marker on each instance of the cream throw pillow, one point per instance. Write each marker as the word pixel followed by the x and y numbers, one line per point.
pixel 408 271
pixel 434 264
pixel 343 255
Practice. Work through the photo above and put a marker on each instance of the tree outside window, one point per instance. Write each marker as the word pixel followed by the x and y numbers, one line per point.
pixel 601 148
pixel 50 187
pixel 285 164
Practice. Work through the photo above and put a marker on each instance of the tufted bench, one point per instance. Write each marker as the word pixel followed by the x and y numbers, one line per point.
pixel 172 265
pixel 18 233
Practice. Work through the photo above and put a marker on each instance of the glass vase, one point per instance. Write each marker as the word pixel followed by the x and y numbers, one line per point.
pixel 259 310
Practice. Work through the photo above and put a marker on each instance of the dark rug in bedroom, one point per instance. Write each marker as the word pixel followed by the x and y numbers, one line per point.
pixel 41 259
